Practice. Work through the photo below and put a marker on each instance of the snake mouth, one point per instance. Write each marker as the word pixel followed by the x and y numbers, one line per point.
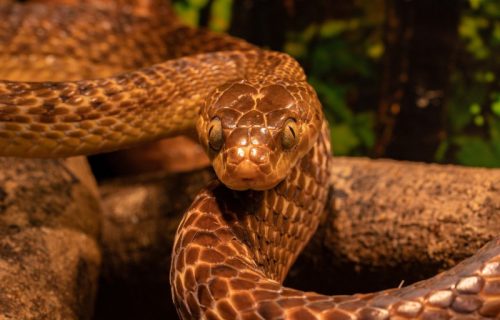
pixel 249 185
pixel 247 171
pixel 245 176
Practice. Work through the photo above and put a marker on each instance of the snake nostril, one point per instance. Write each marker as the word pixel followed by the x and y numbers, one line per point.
pixel 259 155
pixel 235 155
pixel 240 153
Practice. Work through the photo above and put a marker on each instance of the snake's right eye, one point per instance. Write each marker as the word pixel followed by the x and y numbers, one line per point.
pixel 215 139
pixel 289 137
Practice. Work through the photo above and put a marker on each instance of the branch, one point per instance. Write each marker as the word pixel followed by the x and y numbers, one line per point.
pixel 395 221
pixel 392 221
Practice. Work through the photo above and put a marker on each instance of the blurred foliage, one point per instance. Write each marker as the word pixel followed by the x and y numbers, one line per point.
pixel 342 57
pixel 474 105
pixel 343 73
pixel 220 12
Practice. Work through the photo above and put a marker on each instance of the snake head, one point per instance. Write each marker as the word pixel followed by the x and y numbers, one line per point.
pixel 255 134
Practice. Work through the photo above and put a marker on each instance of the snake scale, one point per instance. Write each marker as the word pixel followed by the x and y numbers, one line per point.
pixel 70 89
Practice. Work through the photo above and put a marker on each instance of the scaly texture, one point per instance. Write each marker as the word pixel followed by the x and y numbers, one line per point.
pixel 54 119
pixel 233 249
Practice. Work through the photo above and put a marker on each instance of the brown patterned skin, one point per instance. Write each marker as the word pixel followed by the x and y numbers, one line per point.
pixel 256 115
pixel 262 126
pixel 57 40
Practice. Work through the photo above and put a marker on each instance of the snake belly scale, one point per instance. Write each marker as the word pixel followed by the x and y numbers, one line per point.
pixel 262 126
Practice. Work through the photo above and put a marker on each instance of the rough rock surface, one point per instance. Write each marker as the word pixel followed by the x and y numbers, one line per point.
pixel 49 223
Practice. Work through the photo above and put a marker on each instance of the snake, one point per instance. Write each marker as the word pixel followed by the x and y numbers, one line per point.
pixel 69 89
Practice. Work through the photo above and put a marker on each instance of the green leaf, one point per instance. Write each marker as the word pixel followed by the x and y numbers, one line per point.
pixel 489 76
pixel 475 108
pixel 475 3
pixel 496 33
pixel 376 50
pixel 479 120
pixel 470 29
pixel 363 126
pixel 475 151
pixel 198 3
pixel 441 151
pixel 187 14
pixel 495 107
pixel 494 125
pixel 491 9
pixel 459 117
pixel 221 15
pixel 343 139
pixel 333 98
pixel 295 49
pixel 484 76
pixel 331 28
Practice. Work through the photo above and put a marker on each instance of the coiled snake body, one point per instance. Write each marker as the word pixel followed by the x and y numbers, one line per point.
pixel 261 124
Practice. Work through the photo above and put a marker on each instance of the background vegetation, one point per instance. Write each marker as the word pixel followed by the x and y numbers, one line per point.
pixel 394 81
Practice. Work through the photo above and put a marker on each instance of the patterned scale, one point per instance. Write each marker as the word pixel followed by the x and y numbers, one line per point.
pixel 139 75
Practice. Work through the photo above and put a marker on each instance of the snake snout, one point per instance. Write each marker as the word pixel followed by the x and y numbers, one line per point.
pixel 247 168
pixel 245 175
pixel 255 154
pixel 247 162
pixel 247 171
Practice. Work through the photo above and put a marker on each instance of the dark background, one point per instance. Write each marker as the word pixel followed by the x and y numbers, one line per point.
pixel 410 80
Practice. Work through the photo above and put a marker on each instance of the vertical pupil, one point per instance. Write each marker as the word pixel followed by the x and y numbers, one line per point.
pixel 292 131
pixel 215 135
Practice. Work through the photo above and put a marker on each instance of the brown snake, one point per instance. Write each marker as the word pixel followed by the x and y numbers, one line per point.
pixel 262 126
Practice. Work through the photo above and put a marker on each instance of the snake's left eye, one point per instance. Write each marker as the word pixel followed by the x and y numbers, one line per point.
pixel 290 134
pixel 215 138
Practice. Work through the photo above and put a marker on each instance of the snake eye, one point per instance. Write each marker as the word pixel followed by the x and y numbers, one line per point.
pixel 290 134
pixel 215 138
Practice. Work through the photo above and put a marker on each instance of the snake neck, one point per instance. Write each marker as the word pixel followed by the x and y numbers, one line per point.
pixel 239 240
pixel 276 224
pixel 271 227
